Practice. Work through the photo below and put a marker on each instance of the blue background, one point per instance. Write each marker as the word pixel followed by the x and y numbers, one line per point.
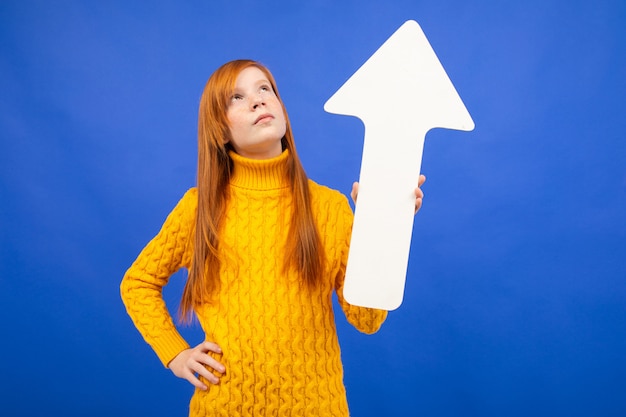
pixel 515 300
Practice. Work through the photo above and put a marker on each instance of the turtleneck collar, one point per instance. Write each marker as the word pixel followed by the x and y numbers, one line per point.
pixel 260 174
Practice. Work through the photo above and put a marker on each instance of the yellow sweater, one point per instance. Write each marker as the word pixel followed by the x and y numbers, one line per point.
pixel 278 338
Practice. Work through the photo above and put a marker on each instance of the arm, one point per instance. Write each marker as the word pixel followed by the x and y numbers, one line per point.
pixel 366 320
pixel 141 288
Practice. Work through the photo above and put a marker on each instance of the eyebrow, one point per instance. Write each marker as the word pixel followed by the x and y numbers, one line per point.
pixel 257 83
pixel 263 81
pixel 260 81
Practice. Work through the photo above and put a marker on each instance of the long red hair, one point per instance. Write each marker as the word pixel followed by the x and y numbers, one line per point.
pixel 304 248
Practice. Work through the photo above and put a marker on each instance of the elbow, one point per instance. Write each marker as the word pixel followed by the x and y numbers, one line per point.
pixel 375 326
pixel 373 329
pixel 126 289
pixel 372 322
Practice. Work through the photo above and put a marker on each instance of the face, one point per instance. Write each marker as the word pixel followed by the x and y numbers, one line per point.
pixel 255 116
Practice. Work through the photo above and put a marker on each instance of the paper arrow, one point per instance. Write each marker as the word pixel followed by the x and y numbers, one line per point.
pixel 400 93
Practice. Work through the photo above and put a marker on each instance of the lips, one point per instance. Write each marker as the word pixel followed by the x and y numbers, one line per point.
pixel 263 118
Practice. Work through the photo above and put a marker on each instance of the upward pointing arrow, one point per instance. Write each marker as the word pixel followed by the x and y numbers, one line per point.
pixel 400 93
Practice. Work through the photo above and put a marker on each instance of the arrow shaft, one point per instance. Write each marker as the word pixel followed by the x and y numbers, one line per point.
pixel 383 222
pixel 390 166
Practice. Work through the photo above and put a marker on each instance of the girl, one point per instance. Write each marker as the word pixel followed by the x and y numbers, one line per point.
pixel 265 248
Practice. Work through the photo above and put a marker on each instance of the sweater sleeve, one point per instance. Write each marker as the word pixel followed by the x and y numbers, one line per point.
pixel 366 320
pixel 142 285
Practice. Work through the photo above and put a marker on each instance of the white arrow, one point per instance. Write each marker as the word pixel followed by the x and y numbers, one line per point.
pixel 400 93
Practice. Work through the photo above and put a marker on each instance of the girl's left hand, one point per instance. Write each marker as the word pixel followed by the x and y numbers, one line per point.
pixel 419 194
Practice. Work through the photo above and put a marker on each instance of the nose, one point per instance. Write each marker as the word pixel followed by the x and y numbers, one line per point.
pixel 257 101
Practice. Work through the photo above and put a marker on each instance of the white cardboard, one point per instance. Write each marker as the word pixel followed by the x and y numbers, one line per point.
pixel 400 93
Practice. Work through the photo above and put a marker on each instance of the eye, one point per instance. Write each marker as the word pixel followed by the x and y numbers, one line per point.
pixel 265 89
pixel 235 98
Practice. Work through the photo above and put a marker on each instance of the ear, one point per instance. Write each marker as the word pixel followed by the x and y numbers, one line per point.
pixel 226 137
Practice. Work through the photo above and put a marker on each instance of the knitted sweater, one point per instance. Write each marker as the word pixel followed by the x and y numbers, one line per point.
pixel 278 338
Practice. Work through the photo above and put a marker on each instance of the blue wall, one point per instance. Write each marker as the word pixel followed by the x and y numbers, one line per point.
pixel 515 302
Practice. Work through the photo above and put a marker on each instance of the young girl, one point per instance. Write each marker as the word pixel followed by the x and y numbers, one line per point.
pixel 265 248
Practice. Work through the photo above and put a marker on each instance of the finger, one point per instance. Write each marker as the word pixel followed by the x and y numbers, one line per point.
pixel 208 360
pixel 421 180
pixel 197 383
pixel 193 380
pixel 212 362
pixel 201 370
pixel 419 195
pixel 418 205
pixel 355 191
pixel 210 347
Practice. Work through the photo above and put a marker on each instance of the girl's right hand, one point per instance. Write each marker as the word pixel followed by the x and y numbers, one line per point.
pixel 194 361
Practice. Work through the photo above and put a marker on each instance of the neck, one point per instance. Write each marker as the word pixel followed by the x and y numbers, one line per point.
pixel 260 174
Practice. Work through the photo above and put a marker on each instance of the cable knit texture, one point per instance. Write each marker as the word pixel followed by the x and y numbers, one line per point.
pixel 278 337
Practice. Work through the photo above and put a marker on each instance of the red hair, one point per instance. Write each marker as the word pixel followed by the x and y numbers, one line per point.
pixel 304 248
